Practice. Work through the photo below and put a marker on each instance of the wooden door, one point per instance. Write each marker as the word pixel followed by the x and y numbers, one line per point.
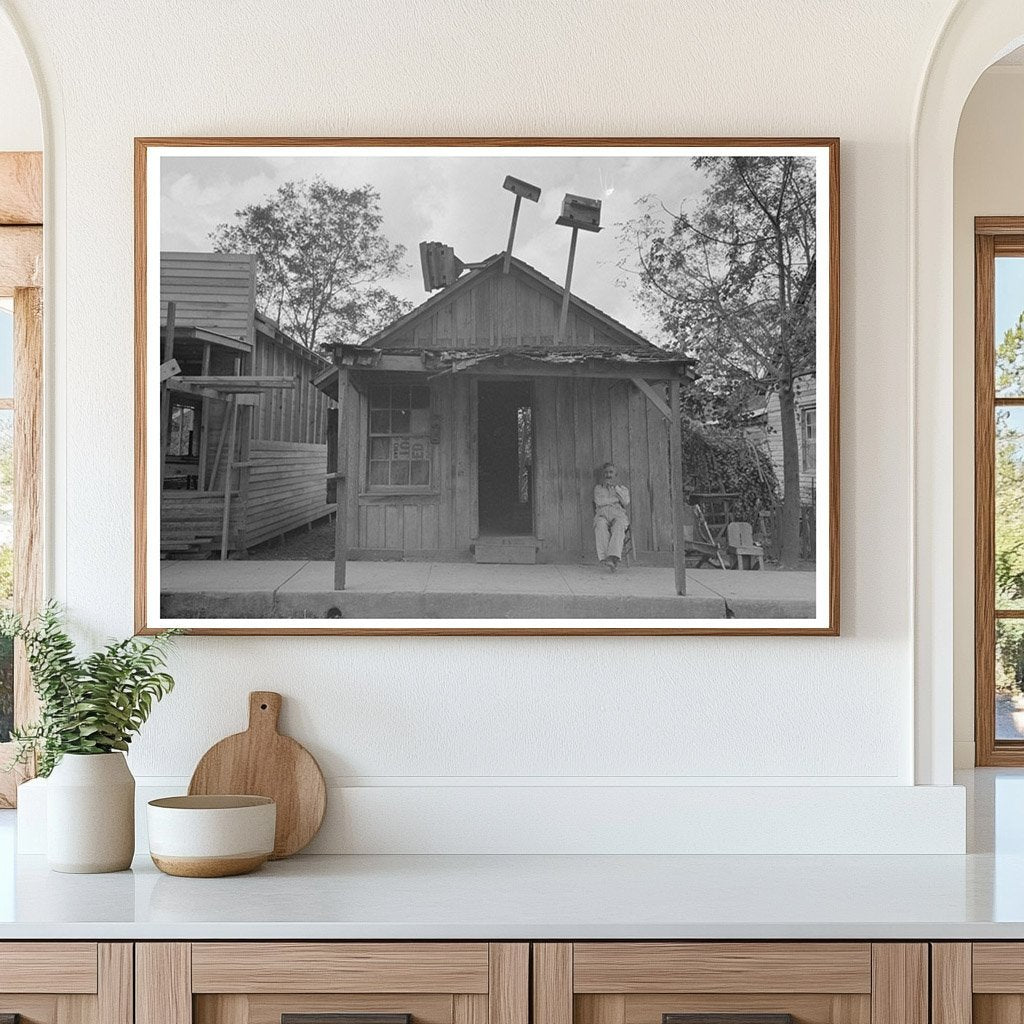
pixel 977 983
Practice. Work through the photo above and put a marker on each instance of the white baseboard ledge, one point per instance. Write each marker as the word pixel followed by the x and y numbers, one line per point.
pixel 527 819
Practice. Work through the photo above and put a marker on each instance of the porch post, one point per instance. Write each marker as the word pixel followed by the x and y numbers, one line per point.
pixel 341 481
pixel 675 448
pixel 165 394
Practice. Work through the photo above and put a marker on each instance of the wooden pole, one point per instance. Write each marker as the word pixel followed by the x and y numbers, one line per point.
pixel 165 398
pixel 564 317
pixel 204 424
pixel 675 449
pixel 341 481
pixel 511 236
pixel 228 467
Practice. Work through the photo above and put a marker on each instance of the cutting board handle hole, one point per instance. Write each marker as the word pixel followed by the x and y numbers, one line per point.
pixel 263 707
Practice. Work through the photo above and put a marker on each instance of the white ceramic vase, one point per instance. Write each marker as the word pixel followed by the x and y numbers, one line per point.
pixel 90 814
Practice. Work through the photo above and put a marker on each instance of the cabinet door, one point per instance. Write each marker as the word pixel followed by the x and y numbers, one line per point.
pixel 730 983
pixel 980 982
pixel 332 983
pixel 66 982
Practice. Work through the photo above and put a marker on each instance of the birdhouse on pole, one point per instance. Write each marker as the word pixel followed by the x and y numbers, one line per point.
pixel 440 266
pixel 580 214
pixel 522 190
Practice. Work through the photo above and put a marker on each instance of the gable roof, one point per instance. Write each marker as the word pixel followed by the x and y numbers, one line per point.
pixel 397 330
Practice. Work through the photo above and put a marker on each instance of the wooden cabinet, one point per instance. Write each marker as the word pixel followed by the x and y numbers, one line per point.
pixel 263 982
pixel 66 982
pixel 494 983
pixel 758 982
pixel 978 983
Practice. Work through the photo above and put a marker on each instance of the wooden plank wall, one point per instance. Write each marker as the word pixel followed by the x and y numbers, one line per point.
pixel 414 525
pixel 285 491
pixel 215 291
pixel 578 425
pixel 503 311
pixel 298 414
pixel 286 488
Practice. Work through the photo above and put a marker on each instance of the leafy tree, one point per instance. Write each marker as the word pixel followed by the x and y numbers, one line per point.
pixel 1009 509
pixel 733 282
pixel 320 253
pixel 1010 360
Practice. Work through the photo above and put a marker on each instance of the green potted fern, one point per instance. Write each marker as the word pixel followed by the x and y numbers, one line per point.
pixel 90 708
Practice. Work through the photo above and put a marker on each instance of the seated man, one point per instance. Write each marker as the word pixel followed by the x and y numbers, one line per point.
pixel 611 500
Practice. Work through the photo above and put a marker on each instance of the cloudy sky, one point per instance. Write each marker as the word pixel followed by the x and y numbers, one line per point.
pixel 457 200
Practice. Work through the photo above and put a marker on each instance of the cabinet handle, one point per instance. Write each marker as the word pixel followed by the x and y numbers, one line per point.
pixel 727 1018
pixel 334 1018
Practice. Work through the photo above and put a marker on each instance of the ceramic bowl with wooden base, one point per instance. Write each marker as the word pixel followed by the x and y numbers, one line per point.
pixel 211 836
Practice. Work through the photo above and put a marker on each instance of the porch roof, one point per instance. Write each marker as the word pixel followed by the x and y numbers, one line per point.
pixel 647 364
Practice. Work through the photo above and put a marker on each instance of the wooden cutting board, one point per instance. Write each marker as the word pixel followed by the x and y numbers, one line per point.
pixel 262 762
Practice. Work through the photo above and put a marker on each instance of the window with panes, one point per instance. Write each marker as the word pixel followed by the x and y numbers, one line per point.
pixel 399 445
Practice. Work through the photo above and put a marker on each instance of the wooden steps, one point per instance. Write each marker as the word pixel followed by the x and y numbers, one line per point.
pixel 506 550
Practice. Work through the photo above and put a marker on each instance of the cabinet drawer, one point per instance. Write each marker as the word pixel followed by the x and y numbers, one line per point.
pixel 66 967
pixel 634 967
pixel 730 983
pixel 333 983
pixel 66 982
pixel 340 967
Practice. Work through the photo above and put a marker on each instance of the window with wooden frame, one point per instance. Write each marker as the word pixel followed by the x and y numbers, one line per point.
pixel 999 490
pixel 809 435
pixel 399 448
pixel 21 366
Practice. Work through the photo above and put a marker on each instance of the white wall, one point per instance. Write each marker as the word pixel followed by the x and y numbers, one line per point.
pixel 987 181
pixel 21 126
pixel 457 712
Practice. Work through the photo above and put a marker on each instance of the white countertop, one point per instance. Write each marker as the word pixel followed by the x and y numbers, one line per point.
pixel 977 896
pixel 517 897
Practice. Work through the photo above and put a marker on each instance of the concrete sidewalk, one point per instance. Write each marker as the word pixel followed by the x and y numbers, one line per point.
pixel 436 590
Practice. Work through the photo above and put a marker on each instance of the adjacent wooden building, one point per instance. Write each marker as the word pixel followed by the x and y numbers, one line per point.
pixel 244 427
pixel 472 428
pixel 765 428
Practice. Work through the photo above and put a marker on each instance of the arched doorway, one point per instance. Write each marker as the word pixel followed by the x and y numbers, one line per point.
pixel 976 34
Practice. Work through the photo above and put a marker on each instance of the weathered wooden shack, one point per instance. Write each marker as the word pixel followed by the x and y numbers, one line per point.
pixel 472 427
pixel 244 427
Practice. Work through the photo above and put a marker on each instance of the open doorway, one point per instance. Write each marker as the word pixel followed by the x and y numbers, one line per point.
pixel 505 457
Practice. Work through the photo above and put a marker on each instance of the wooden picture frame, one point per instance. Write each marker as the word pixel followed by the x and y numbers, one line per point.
pixel 446 496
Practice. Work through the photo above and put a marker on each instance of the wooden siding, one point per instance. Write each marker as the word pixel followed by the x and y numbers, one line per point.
pixel 770 435
pixel 496 310
pixel 285 489
pixel 214 291
pixel 299 414
pixel 578 425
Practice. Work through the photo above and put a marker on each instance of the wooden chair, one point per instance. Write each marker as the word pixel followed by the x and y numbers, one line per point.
pixel 628 551
pixel 740 542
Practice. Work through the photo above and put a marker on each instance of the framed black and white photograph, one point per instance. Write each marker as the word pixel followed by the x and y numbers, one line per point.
pixel 487 385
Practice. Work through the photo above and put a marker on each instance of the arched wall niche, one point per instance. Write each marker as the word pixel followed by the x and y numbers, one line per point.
pixel 975 35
